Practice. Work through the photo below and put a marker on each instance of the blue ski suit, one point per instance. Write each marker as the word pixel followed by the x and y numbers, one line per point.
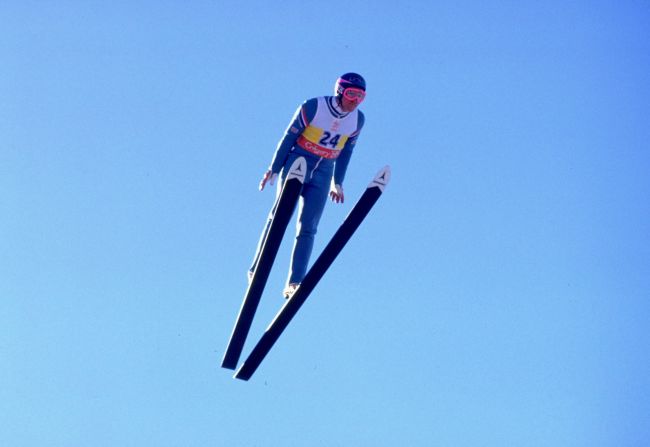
pixel 325 136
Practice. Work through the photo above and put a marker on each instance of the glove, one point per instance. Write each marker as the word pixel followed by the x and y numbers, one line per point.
pixel 269 177
pixel 336 193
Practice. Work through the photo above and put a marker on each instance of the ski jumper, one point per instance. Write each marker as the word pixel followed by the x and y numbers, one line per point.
pixel 325 136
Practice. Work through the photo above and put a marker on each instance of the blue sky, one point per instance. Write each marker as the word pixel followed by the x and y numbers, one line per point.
pixel 497 294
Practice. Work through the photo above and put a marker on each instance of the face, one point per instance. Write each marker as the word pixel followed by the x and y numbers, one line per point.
pixel 347 105
pixel 351 98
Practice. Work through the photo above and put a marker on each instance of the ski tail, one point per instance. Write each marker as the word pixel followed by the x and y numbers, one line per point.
pixel 280 219
pixel 315 273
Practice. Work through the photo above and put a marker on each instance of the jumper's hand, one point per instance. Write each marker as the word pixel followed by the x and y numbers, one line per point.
pixel 336 193
pixel 268 177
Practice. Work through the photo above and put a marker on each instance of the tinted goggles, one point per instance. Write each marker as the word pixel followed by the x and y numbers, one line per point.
pixel 354 94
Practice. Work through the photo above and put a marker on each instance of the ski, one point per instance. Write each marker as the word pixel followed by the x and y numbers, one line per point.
pixel 281 215
pixel 329 254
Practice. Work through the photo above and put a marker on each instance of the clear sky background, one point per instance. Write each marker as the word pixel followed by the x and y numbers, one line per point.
pixel 497 295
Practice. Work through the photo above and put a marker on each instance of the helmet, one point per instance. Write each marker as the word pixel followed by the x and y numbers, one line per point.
pixel 348 80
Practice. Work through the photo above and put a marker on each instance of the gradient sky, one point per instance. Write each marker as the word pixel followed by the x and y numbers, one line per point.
pixel 497 295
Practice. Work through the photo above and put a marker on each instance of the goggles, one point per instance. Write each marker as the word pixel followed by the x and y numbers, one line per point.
pixel 354 94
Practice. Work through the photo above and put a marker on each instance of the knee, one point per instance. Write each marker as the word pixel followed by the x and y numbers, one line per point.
pixel 307 230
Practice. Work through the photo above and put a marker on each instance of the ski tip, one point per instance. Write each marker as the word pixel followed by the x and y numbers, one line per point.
pixel 381 179
pixel 298 169
pixel 228 366
pixel 241 375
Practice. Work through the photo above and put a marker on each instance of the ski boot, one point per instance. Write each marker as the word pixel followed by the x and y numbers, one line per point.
pixel 290 289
